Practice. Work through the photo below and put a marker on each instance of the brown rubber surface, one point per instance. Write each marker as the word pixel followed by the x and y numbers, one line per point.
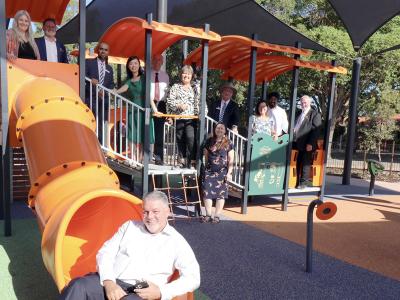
pixel 364 232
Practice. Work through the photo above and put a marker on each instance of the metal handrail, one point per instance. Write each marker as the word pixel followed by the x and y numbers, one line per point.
pixel 114 139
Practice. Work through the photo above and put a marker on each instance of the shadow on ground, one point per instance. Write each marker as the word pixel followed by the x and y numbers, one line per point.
pixel 240 262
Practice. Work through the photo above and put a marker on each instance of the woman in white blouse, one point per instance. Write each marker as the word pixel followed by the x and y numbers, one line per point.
pixel 183 99
pixel 262 122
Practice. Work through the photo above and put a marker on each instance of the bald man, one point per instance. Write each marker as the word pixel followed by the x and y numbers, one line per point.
pixel 100 73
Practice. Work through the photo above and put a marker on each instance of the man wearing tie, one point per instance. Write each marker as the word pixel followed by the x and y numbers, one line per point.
pixel 100 73
pixel 158 88
pixel 306 132
pixel 225 110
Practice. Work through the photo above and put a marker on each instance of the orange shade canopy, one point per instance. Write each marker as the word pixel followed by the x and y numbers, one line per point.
pixel 269 67
pixel 232 55
pixel 233 48
pixel 126 37
pixel 111 59
pixel 39 10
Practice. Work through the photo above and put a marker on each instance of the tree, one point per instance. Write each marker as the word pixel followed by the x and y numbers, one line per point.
pixel 317 20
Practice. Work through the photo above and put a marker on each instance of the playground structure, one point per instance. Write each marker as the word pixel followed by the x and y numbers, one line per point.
pixel 46 108
pixel 73 191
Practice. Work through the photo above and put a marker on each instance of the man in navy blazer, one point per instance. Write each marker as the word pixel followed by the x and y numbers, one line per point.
pixel 225 110
pixel 99 72
pixel 49 48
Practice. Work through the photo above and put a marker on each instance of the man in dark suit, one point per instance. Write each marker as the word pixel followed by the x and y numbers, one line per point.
pixel 49 48
pixel 100 73
pixel 225 110
pixel 306 132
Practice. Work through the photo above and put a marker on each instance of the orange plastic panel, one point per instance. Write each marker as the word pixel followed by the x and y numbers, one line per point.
pixel 317 167
pixel 232 54
pixel 39 10
pixel 110 59
pixel 126 37
pixel 293 169
pixel 26 68
pixel 76 196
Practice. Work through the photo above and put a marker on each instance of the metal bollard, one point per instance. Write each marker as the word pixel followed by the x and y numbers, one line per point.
pixel 325 211
pixel 374 167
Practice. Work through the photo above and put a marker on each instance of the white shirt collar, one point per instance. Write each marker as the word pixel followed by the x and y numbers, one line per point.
pixel 226 102
pixel 47 39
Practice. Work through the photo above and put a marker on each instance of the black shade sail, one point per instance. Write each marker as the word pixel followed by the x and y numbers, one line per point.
pixel 363 17
pixel 239 17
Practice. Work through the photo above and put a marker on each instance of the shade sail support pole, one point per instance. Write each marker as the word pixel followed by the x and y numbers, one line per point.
pixel 351 127
pixel 328 124
pixel 82 47
pixel 250 106
pixel 147 116
pixel 292 113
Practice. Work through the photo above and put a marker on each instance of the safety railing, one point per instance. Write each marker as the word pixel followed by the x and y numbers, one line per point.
pixel 239 147
pixel 119 126
pixel 170 147
pixel 118 123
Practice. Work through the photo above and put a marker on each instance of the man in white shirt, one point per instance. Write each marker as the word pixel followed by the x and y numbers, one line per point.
pixel 278 114
pixel 49 48
pixel 141 251
pixel 159 86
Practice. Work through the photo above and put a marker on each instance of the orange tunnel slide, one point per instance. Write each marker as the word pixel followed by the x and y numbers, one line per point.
pixel 75 195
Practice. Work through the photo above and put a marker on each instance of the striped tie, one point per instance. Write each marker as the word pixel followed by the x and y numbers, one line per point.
pixel 222 111
pixel 101 73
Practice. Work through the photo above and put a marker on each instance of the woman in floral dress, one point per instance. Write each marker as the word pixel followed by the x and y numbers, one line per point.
pixel 219 155
pixel 262 122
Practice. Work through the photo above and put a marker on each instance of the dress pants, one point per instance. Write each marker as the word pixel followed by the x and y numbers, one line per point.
pixel 88 287
pixel 303 164
pixel 185 138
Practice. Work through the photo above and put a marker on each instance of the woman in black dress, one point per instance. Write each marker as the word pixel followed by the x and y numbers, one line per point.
pixel 20 41
pixel 219 155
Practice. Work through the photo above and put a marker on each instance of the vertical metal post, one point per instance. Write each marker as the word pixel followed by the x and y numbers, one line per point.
pixel 328 123
pixel 203 94
pixel 185 45
pixel 310 223
pixel 292 112
pixel 5 151
pixel 351 128
pixel 264 90
pixel 147 118
pixel 250 106
pixel 119 75
pixel 82 47
pixel 162 13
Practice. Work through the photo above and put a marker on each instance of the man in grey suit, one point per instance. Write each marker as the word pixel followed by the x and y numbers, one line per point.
pixel 100 73
pixel 306 132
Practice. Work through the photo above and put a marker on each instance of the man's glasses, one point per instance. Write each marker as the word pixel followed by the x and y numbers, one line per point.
pixel 105 49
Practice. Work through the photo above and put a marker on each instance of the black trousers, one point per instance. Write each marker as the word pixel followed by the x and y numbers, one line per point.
pixel 159 137
pixel 303 164
pixel 185 138
pixel 88 287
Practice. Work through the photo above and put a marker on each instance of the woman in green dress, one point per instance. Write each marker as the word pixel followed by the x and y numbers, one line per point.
pixel 135 86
